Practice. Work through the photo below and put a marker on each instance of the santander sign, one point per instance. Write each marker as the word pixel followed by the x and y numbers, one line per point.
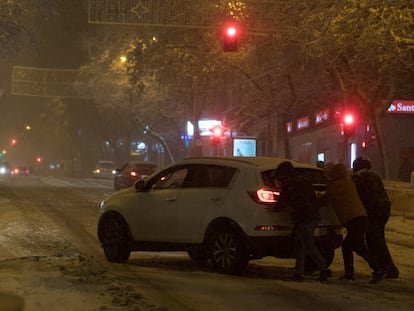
pixel 401 106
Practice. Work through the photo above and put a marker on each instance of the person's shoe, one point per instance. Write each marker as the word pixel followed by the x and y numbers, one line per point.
pixel 298 277
pixel 377 276
pixel 324 275
pixel 347 277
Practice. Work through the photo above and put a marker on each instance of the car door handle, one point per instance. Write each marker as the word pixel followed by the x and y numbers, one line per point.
pixel 170 199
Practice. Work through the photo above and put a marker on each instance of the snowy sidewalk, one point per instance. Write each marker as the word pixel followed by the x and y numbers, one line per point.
pixel 400 230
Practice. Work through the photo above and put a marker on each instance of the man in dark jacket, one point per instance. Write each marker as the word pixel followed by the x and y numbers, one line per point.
pixel 298 195
pixel 375 199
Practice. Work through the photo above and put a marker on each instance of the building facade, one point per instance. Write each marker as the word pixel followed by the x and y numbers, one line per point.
pixel 320 137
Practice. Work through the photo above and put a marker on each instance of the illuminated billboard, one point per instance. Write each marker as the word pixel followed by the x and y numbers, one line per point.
pixel 244 147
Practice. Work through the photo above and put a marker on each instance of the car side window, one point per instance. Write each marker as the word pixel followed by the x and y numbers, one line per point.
pixel 208 176
pixel 172 179
pixel 220 176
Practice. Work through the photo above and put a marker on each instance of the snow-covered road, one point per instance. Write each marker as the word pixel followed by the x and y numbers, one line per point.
pixel 50 257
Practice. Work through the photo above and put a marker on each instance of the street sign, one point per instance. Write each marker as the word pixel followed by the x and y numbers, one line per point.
pixel 401 106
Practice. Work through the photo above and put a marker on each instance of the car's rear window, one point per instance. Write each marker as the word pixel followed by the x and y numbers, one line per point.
pixel 317 177
pixel 314 175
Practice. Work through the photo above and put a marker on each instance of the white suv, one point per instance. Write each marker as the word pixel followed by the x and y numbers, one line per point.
pixel 213 208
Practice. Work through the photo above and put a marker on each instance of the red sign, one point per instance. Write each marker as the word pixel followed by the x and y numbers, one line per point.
pixel 303 123
pixel 321 116
pixel 402 106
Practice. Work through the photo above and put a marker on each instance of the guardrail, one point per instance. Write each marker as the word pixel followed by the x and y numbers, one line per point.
pixel 402 198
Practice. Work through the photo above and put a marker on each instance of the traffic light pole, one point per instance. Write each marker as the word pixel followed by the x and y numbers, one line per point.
pixel 215 146
pixel 345 151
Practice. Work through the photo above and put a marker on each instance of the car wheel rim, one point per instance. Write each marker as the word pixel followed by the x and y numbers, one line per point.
pixel 225 250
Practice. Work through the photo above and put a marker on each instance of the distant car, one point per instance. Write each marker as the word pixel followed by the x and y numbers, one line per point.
pixel 4 168
pixel 21 171
pixel 213 208
pixel 104 169
pixel 132 171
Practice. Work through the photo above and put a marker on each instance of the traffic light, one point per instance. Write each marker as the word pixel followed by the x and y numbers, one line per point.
pixel 39 160
pixel 348 124
pixel 218 133
pixel 218 130
pixel 231 34
pixel 13 142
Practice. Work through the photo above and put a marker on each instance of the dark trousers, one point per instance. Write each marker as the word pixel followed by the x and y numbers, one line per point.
pixel 377 245
pixel 305 246
pixel 355 242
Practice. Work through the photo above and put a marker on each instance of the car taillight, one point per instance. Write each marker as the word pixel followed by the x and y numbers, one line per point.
pixel 134 174
pixel 265 195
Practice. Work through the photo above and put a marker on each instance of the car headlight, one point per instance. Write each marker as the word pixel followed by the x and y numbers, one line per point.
pixel 102 204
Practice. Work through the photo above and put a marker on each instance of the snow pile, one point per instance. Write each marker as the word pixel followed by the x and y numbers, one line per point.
pixel 68 281
pixel 49 273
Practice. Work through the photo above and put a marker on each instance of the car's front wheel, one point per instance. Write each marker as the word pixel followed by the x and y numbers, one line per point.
pixel 114 236
pixel 228 250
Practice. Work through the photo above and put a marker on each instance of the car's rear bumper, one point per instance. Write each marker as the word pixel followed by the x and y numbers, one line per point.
pixel 283 246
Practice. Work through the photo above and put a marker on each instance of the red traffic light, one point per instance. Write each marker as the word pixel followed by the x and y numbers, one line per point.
pixel 349 119
pixel 218 133
pixel 39 159
pixel 13 142
pixel 218 130
pixel 231 33
pixel 348 124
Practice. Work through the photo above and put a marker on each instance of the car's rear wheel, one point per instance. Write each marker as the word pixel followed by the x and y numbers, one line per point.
pixel 228 251
pixel 114 236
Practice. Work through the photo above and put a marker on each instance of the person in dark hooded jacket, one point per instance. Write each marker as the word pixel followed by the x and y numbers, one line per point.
pixel 298 195
pixel 343 197
pixel 378 206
